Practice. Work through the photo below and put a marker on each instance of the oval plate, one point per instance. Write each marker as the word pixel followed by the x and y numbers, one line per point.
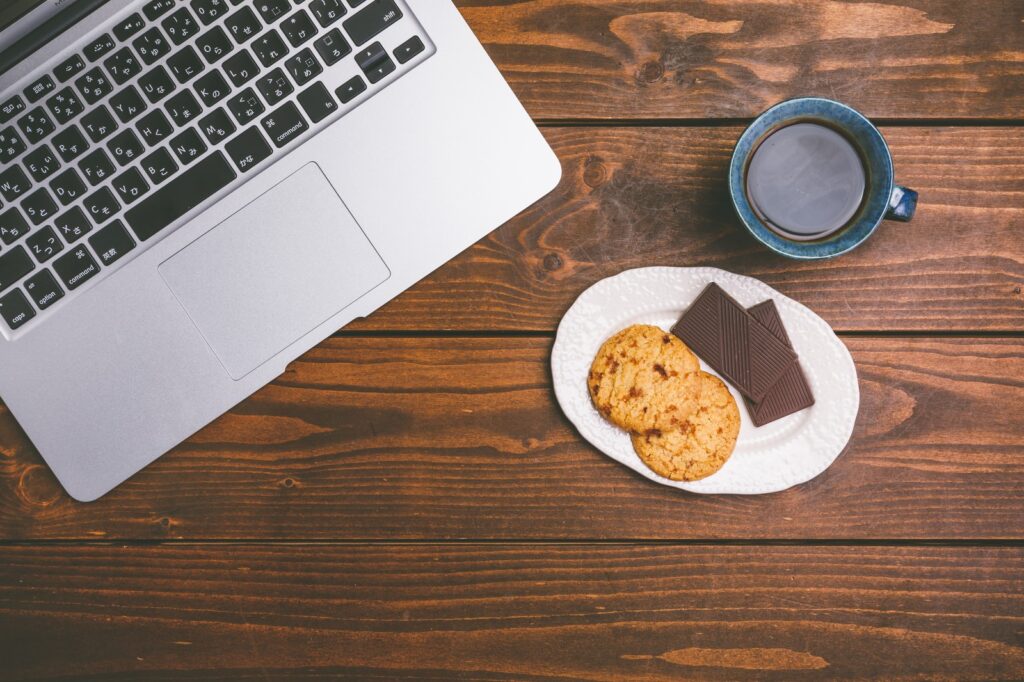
pixel 774 457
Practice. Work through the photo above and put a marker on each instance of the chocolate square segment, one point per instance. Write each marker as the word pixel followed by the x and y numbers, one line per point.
pixel 734 343
pixel 791 393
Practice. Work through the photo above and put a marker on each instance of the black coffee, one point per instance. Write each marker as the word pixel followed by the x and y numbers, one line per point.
pixel 806 181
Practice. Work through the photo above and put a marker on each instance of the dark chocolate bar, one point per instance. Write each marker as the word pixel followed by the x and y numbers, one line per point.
pixel 734 343
pixel 791 393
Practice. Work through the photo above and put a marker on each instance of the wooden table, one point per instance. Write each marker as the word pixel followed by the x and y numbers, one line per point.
pixel 408 501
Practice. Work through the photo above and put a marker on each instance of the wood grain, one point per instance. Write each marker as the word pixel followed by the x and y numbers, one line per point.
pixel 635 197
pixel 462 438
pixel 734 58
pixel 512 612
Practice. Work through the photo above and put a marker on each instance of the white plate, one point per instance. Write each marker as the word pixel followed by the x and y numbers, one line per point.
pixel 773 457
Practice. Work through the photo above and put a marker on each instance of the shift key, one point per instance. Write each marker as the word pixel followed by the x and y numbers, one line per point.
pixel 368 22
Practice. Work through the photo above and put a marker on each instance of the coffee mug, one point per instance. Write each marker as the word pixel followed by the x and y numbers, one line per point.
pixel 812 178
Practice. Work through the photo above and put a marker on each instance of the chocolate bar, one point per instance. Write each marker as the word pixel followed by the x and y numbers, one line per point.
pixel 791 393
pixel 734 343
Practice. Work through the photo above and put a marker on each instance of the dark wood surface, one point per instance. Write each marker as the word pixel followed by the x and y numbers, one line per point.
pixel 407 501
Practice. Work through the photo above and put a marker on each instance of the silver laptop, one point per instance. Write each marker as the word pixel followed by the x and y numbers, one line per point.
pixel 195 192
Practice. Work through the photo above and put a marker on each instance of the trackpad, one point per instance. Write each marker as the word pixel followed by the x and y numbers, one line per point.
pixel 274 271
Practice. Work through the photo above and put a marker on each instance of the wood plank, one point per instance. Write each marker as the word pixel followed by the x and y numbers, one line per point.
pixel 635 197
pixel 734 58
pixel 462 438
pixel 512 612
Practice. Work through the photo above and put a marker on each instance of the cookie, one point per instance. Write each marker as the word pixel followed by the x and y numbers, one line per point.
pixel 644 378
pixel 705 442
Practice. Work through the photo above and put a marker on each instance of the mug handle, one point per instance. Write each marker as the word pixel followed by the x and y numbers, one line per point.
pixel 902 204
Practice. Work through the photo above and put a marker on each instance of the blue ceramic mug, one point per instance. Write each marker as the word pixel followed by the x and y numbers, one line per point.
pixel 882 197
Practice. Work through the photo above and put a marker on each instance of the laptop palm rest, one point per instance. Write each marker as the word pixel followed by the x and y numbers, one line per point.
pixel 274 271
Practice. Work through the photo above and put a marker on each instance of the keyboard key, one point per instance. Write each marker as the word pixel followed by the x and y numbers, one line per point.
pixel 274 86
pixel 185 64
pixel 154 127
pixel 375 62
pixel 68 187
pixel 43 288
pixel 39 206
pixel 214 45
pixel 44 244
pixel 112 242
pixel 409 49
pixel 332 47
pixel 186 191
pixel 156 84
pixel 41 163
pixel 351 89
pixel 269 48
pixel 245 106
pixel 15 309
pixel 70 67
pixel 13 183
pixel 217 126
pixel 73 225
pixel 180 26
pixel 298 28
pixel 13 226
pixel 183 107
pixel 209 11
pixel 129 27
pixel 284 124
pixel 151 45
pixel 212 88
pixel 65 105
pixel 243 25
pixel 96 167
pixel 125 147
pixel 128 104
pixel 99 123
pixel 93 85
pixel 188 146
pixel 39 89
pixel 303 67
pixel 159 166
pixel 367 23
pixel 248 149
pixel 11 145
pixel 130 185
pixel 157 8
pixel 99 47
pixel 272 10
pixel 76 267
pixel 36 125
pixel 101 205
pixel 317 102
pixel 122 65
pixel 70 143
pixel 14 265
pixel 327 11
pixel 241 68
pixel 11 108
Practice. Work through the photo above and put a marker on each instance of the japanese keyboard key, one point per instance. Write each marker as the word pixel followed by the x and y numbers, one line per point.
pixel 39 206
pixel 13 182
pixel 188 146
pixel 99 124
pixel 68 187
pixel 128 104
pixel 11 145
pixel 41 163
pixel 76 267
pixel 125 147
pixel 101 205
pixel 44 244
pixel 15 309
pixel 216 126
pixel 72 225
pixel 130 185
pixel 38 89
pixel 14 265
pixel 332 47
pixel 112 242
pixel 245 106
pixel 70 143
pixel 43 289
pixel 36 125
pixel 248 149
pixel 13 226
pixel 317 102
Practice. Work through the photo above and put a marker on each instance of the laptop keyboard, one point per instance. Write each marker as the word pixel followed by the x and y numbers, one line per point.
pixel 165 109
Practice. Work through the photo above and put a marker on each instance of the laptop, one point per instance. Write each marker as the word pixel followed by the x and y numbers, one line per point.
pixel 196 192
